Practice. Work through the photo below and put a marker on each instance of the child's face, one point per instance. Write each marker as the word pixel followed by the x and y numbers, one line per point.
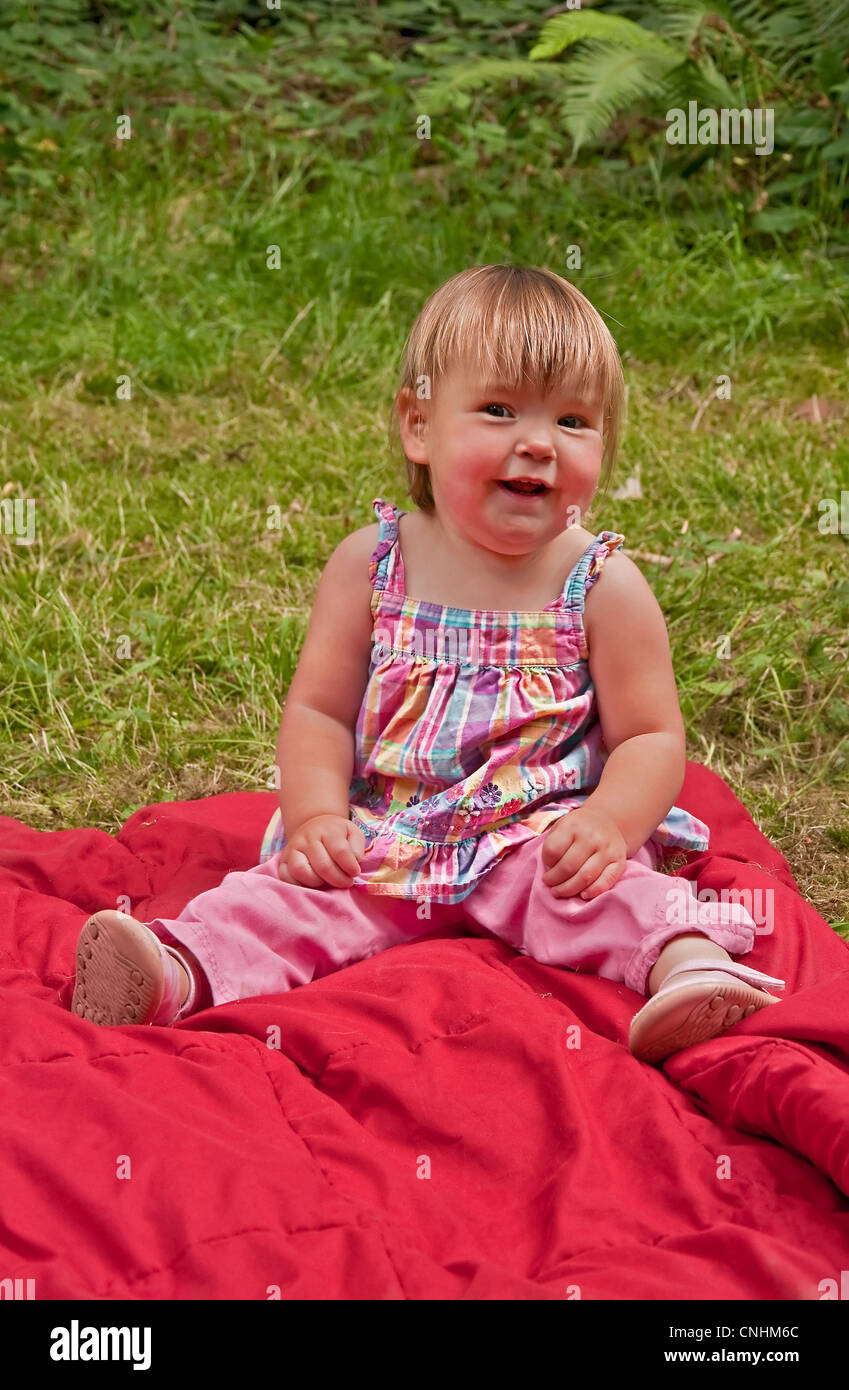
pixel 475 434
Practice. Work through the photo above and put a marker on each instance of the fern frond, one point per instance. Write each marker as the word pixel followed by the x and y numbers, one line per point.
pixel 679 21
pixel 785 36
pixel 604 82
pixel 564 30
pixel 470 77
pixel 701 82
pixel 807 24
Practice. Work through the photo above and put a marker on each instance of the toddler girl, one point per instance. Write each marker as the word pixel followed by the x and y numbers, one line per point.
pixel 483 727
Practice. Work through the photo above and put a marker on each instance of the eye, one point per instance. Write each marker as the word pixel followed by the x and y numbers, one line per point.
pixel 496 405
pixel 578 422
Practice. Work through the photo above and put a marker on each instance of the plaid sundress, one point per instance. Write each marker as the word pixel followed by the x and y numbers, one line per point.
pixel 478 729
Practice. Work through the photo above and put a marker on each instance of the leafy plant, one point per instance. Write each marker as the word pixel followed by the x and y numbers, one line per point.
pixel 633 63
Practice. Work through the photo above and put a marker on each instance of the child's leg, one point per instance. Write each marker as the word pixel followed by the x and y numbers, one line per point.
pixel 254 934
pixel 622 934
pixel 619 934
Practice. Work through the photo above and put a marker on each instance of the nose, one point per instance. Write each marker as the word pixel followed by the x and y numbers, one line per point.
pixel 536 445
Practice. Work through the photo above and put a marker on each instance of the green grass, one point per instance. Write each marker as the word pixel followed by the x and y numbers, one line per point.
pixel 150 631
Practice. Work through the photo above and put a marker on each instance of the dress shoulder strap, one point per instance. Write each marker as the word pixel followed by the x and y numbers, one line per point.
pixel 588 569
pixel 386 567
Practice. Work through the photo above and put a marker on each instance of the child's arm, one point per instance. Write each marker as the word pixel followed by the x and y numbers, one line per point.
pixel 315 745
pixel 631 668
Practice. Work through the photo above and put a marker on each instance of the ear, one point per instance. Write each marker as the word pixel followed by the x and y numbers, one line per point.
pixel 412 425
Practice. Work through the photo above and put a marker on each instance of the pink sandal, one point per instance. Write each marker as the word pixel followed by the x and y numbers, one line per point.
pixel 125 974
pixel 694 1010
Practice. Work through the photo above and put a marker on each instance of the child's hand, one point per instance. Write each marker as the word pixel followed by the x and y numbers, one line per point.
pixel 326 849
pixel 585 852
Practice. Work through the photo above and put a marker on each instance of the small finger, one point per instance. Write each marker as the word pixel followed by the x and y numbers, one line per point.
pixel 302 871
pixel 356 840
pixel 325 864
pixel 583 878
pixel 348 866
pixel 554 849
pixel 594 890
pixel 564 868
pixel 603 883
pixel 341 855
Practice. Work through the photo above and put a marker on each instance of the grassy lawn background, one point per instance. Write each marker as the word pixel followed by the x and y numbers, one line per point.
pixel 150 631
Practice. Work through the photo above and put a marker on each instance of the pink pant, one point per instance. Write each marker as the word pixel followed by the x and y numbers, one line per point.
pixel 254 934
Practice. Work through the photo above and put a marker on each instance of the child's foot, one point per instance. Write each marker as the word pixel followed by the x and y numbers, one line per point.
pixel 125 974
pixel 702 1002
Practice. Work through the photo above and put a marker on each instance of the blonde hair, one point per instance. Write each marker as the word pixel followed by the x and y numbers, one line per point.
pixel 512 323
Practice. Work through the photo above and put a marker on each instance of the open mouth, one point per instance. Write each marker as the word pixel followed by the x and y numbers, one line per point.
pixel 524 489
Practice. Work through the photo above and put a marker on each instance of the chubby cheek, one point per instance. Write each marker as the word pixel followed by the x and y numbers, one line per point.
pixel 470 469
pixel 465 495
pixel 585 472
pixel 586 487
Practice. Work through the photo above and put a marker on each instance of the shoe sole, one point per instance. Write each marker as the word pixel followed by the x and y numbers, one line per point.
pixel 694 1017
pixel 119 972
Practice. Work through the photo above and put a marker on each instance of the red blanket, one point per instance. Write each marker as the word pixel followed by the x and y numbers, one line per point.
pixel 419 1125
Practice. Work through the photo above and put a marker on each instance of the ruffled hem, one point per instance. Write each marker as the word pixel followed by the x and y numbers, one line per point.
pixel 402 866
